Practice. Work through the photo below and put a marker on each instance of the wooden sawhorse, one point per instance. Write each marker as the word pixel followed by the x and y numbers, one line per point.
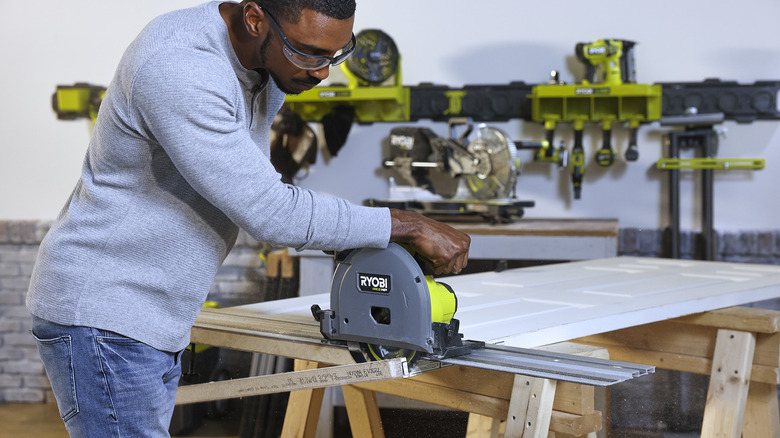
pixel 739 347
pixel 520 406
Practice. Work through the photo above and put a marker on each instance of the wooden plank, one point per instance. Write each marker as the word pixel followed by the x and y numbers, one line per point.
pixel 274 262
pixel 544 227
pixel 303 408
pixel 363 412
pixel 747 319
pixel 762 416
pixel 687 339
pixel 729 381
pixel 576 425
pixel 293 381
pixel 690 364
pixel 530 408
pixel 569 397
pixel 450 397
pixel 480 426
pixel 254 342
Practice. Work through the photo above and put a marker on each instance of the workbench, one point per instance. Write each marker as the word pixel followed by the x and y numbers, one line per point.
pixel 543 239
pixel 632 308
pixel 738 347
pixel 531 403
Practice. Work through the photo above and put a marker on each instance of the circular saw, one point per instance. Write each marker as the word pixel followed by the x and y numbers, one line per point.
pixel 382 301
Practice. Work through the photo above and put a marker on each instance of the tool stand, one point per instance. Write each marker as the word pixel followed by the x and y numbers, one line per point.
pixel 737 347
pixel 707 140
pixel 499 404
pixel 704 137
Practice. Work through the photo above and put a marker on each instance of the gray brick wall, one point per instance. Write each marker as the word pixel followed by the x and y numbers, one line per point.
pixel 22 378
pixel 242 280
pixel 740 247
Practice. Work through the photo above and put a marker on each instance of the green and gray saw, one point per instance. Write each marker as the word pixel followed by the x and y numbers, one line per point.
pixel 383 306
pixel 383 303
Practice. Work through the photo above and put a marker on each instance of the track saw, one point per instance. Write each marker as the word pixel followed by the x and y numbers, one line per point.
pixel 384 306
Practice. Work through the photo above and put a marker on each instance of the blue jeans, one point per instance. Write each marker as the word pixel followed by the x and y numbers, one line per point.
pixel 108 385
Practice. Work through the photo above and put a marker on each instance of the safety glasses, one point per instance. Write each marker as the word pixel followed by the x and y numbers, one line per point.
pixel 306 61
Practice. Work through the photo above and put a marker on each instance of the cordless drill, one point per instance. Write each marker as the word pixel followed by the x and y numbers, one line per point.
pixel 615 57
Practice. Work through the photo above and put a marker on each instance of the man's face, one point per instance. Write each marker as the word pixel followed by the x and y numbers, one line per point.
pixel 314 34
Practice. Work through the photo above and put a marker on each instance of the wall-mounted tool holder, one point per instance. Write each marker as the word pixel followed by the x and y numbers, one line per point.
pixel 705 138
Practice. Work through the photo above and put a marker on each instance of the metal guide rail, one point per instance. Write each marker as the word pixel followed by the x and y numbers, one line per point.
pixel 528 362
pixel 556 366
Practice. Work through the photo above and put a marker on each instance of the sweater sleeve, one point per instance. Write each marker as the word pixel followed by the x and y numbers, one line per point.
pixel 187 102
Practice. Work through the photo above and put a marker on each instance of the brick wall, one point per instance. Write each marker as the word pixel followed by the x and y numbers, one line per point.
pixel 738 247
pixel 22 378
pixel 242 280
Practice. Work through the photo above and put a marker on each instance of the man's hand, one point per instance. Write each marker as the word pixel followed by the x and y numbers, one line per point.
pixel 444 248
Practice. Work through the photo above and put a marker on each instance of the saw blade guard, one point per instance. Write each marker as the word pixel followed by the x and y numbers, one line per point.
pixel 444 303
pixel 382 296
pixel 498 166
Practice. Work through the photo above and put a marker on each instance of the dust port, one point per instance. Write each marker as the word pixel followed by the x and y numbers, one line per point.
pixel 381 315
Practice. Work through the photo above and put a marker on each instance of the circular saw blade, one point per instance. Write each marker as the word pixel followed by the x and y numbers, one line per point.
pixel 498 167
pixel 382 352
pixel 375 58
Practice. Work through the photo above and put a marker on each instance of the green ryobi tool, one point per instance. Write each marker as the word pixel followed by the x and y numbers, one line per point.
pixel 385 307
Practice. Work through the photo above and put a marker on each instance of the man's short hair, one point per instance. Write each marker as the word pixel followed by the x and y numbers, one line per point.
pixel 290 10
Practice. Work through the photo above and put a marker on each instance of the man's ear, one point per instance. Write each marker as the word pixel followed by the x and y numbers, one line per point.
pixel 254 19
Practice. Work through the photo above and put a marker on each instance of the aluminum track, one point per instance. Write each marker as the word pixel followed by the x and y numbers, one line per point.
pixel 556 366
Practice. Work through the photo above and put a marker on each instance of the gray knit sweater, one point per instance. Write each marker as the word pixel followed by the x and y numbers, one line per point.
pixel 178 160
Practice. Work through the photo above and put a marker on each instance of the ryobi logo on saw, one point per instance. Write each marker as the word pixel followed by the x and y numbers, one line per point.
pixel 373 282
pixel 402 141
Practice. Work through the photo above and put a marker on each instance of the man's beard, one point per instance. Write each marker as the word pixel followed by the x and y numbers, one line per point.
pixel 277 80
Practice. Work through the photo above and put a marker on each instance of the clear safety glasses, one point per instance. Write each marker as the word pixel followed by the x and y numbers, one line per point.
pixel 306 61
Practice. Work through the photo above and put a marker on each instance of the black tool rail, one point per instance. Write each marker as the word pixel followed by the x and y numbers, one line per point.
pixel 743 103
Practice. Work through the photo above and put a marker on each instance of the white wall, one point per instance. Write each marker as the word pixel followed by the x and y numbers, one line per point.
pixel 446 42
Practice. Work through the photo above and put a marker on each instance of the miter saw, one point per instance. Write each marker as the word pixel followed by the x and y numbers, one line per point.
pixel 485 163
pixel 384 306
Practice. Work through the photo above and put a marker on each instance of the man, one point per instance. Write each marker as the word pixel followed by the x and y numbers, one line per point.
pixel 178 161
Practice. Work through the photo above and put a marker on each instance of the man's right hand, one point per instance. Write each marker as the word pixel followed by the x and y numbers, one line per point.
pixel 444 248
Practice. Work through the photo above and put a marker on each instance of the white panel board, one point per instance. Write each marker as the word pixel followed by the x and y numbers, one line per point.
pixel 530 307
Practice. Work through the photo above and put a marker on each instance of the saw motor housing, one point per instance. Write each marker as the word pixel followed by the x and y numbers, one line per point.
pixel 382 296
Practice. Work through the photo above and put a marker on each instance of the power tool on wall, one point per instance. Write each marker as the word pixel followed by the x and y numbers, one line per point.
pixel 613 59
pixel 483 159
pixel 608 94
